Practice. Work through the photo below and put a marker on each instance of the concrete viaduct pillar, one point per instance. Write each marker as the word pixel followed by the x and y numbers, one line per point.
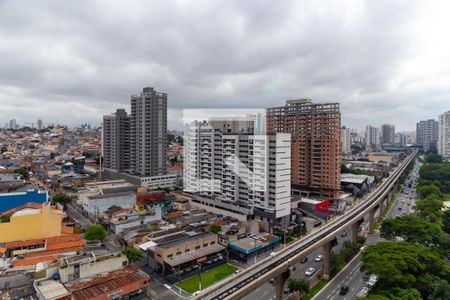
pixel 326 260
pixel 280 281
pixel 372 220
pixel 354 231
pixel 381 206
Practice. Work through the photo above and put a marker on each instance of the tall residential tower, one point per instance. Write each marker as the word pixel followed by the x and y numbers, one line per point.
pixel 444 135
pixel 316 145
pixel 148 133
pixel 116 141
pixel 427 134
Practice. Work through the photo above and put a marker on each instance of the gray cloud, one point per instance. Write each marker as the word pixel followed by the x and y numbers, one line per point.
pixel 384 61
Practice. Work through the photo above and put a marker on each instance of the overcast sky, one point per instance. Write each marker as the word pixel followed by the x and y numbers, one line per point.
pixel 384 61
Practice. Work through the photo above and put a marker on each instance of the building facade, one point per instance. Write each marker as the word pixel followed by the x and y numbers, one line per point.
pixel 316 145
pixel 444 135
pixel 148 133
pixel 427 134
pixel 387 134
pixel 372 137
pixel 237 172
pixel 116 141
pixel 346 140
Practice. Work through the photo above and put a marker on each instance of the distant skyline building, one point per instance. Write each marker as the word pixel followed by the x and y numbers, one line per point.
pixel 401 139
pixel 148 133
pixel 427 134
pixel 39 124
pixel 315 130
pixel 116 141
pixel 13 124
pixel 444 135
pixel 372 137
pixel 387 134
pixel 346 140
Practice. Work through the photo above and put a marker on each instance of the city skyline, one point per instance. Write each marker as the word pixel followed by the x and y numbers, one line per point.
pixel 246 55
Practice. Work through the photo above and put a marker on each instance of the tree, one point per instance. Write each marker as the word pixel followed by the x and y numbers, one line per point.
pixel 5 219
pixel 428 190
pixel 446 221
pixel 413 229
pixel 441 291
pixel 298 285
pixel 430 208
pixel 215 228
pixel 403 265
pixel 132 254
pixel 95 233
pixel 22 172
pixel 433 158
pixel 61 198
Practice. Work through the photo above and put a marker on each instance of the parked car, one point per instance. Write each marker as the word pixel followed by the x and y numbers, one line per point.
pixel 304 259
pixel 319 258
pixel 344 290
pixel 309 271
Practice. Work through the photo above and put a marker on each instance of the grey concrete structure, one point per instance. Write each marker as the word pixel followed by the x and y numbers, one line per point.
pixel 116 141
pixel 427 134
pixel 388 134
pixel 148 133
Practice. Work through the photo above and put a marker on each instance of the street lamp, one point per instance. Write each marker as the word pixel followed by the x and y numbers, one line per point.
pixel 200 277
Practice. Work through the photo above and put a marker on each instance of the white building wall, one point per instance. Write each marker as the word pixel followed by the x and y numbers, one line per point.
pixel 94 206
pixel 444 135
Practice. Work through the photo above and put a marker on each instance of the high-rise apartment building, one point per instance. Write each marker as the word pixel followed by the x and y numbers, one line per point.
pixel 39 124
pixel 116 141
pixel 427 134
pixel 444 135
pixel 346 140
pixel 13 124
pixel 316 144
pixel 234 172
pixel 148 133
pixel 372 137
pixel 387 134
pixel 401 139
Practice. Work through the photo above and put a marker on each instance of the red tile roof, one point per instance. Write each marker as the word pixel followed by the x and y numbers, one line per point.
pixel 26 205
pixel 34 261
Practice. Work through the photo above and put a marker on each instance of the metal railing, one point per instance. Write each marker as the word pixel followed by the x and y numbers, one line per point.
pixel 282 259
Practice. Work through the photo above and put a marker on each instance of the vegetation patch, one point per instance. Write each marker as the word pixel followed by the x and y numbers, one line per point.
pixel 209 277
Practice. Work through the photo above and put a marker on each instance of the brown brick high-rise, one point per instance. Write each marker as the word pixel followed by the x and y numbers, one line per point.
pixel 315 150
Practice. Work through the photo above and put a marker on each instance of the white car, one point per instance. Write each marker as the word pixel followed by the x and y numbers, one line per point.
pixel 309 271
pixel 319 258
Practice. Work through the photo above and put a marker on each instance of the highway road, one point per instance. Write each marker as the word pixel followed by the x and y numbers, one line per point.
pixel 267 291
pixel 351 275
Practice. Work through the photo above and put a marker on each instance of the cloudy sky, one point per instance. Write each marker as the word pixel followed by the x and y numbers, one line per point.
pixel 384 61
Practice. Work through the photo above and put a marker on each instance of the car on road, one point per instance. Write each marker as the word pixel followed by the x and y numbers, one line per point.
pixel 399 208
pixel 319 258
pixel 304 259
pixel 309 271
pixel 344 290
pixel 286 290
pixel 344 234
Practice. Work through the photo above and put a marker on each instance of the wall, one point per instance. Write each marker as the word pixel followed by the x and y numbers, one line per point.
pixel 12 200
pixel 45 224
pixel 91 269
pixel 102 204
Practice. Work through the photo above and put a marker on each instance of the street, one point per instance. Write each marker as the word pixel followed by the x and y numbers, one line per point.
pixel 351 275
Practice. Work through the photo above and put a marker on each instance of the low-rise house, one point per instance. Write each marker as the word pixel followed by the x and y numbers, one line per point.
pixel 174 252
pixel 121 283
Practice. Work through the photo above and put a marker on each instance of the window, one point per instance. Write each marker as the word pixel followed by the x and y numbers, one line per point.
pixel 168 256
pixel 187 250
pixel 178 253
pixel 205 245
pixel 197 247
pixel 212 243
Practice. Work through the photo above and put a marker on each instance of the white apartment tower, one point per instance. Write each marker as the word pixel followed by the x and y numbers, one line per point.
pixel 372 137
pixel 233 171
pixel 148 133
pixel 346 140
pixel 444 135
pixel 427 134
